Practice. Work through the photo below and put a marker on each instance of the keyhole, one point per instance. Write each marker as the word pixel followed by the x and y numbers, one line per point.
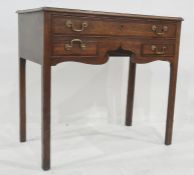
pixel 121 27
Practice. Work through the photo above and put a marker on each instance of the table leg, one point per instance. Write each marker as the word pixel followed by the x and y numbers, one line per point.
pixel 46 95
pixel 171 103
pixel 22 98
pixel 130 93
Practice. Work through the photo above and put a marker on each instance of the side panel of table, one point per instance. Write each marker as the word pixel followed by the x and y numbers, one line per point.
pixel 31 36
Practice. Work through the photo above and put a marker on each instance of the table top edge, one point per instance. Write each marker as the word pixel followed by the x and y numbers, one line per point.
pixel 55 9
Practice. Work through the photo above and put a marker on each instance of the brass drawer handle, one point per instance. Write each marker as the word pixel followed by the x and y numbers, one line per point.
pixel 69 46
pixel 69 24
pixel 159 51
pixel 158 30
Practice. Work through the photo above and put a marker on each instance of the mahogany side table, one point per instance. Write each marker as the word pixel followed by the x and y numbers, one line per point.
pixel 49 36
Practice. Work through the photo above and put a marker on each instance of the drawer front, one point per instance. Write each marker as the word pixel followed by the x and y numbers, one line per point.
pixel 64 46
pixel 158 49
pixel 74 25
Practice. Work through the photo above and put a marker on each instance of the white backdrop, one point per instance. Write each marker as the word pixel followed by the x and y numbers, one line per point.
pixel 97 94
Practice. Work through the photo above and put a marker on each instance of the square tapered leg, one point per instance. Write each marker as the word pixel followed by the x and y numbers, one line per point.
pixel 22 98
pixel 171 103
pixel 46 119
pixel 130 93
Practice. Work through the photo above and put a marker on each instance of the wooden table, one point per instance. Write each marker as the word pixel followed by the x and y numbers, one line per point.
pixel 49 36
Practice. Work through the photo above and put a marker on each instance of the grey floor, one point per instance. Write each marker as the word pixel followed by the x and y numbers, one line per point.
pixel 100 150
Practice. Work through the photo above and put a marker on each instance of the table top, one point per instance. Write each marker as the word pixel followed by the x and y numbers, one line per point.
pixel 53 9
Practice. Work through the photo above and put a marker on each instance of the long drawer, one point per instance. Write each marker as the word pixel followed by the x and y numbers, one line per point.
pixel 66 25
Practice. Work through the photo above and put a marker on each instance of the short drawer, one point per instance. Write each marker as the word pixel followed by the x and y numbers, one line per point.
pixel 62 24
pixel 158 49
pixel 64 46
